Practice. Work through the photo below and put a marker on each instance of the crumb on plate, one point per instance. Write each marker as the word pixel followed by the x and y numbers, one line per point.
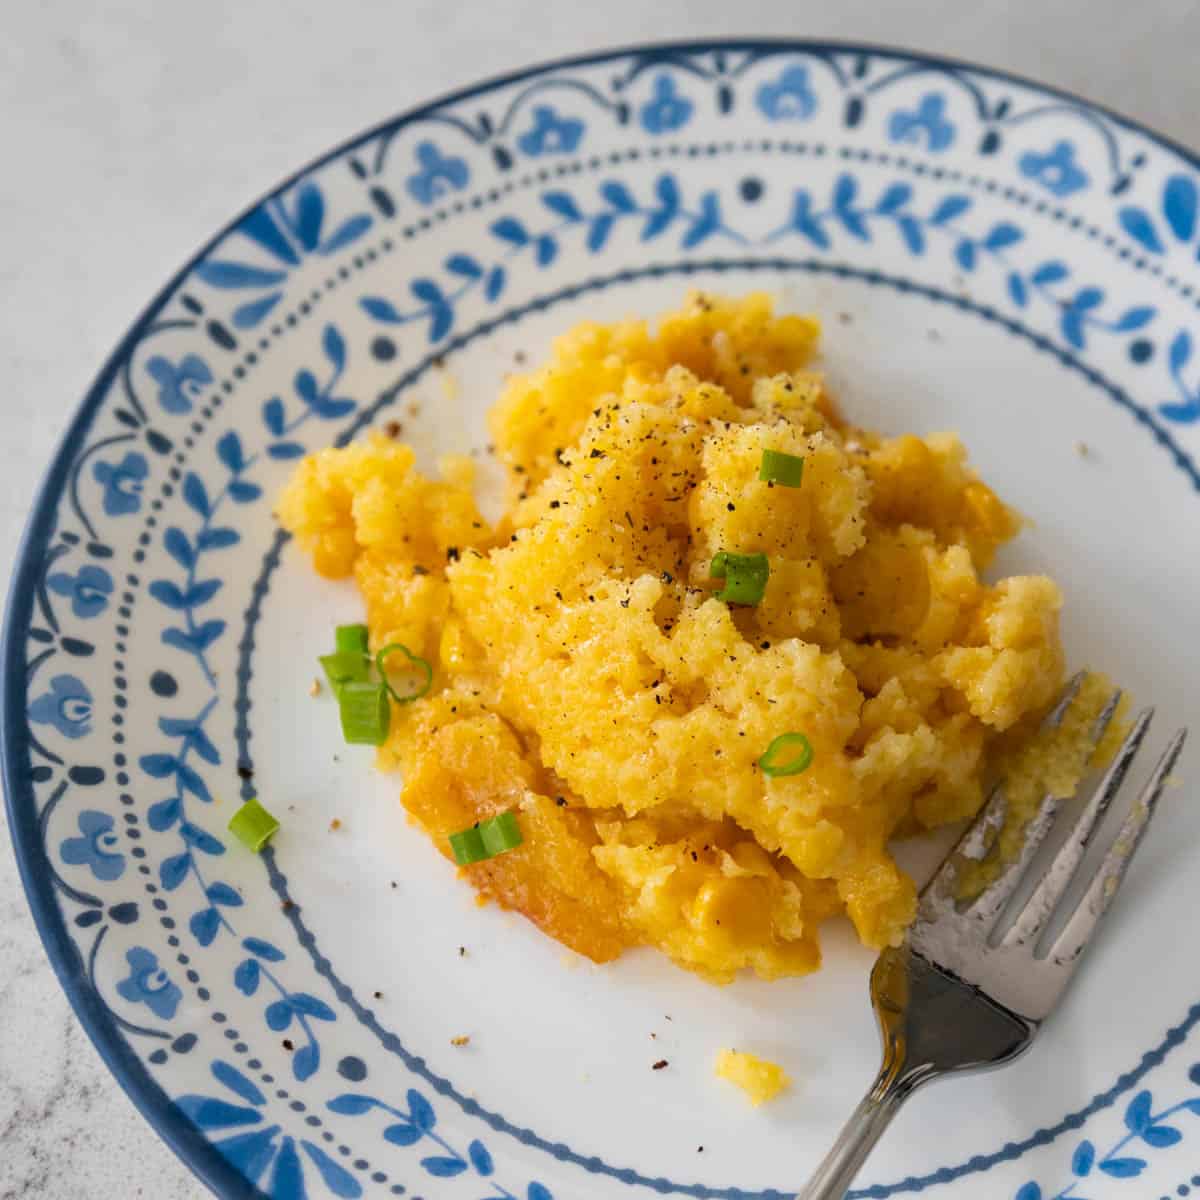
pixel 759 1079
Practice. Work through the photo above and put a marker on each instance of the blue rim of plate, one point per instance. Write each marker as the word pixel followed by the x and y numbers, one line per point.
pixel 184 1138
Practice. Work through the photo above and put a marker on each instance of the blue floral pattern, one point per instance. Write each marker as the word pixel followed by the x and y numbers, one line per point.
pixel 198 472
pixel 97 847
pixel 123 483
pixel 1056 170
pixel 924 125
pixel 550 133
pixel 147 983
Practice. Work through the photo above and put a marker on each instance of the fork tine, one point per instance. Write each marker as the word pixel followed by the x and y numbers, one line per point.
pixel 1103 888
pixel 991 903
pixel 977 837
pixel 1039 907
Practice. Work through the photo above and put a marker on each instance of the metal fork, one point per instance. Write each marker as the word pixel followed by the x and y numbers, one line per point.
pixel 968 990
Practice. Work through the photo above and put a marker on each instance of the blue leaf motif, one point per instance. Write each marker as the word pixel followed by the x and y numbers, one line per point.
pixel 546 251
pixel 1134 318
pixel 158 766
pixel 1186 414
pixel 656 222
pixel 261 227
pixel 237 1083
pixel 244 492
pixel 598 232
pixel 1123 1168
pixel 250 1153
pixel 334 346
pixel 538 1191
pixel 208 1113
pixel 195 495
pixel 844 191
pixel 273 415
pixel 217 539
pixel 1137 223
pixel 894 198
pixel 707 224
pixel 229 451
pixel 421 1111
pixel 348 1104
pixel 1017 290
pixel 163 815
pixel 278 1015
pixel 1083 1159
pixel 285 451
pixel 1137 1112
pixel 205 925
pixel 201 840
pixel 223 894
pixel 1161 1136
pixel 307 387
pixel 443 1167
pixel 441 318
pixel 910 231
pixel 310 212
pixel 1179 206
pixel 168 593
pixel 263 950
pixel 949 208
pixel 964 254
pixel 1181 350
pixel 202 592
pixel 194 784
pixel 510 230
pixel 345 233
pixel 178 547
pixel 246 316
pixel 805 223
pixel 618 196
pixel 204 637
pixel 1049 272
pixel 562 204
pixel 306 1061
pixel 310 1006
pixel 238 275
pixel 480 1158
pixel 246 977
pixel 287 1180
pixel 1071 325
pixel 381 310
pixel 667 191
pixel 1087 298
pixel 464 265
pixel 337 1179
pixel 1029 1191
pixel 173 871
pixel 1002 235
pixel 402 1133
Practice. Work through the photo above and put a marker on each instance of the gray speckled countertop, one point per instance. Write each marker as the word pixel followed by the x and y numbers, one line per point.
pixel 131 130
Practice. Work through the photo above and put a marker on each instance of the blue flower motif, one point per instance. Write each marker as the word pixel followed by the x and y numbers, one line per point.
pixel 179 385
pixel 1056 170
pixel 97 848
pixel 148 984
pixel 122 483
pixel 438 174
pixel 89 590
pixel 666 110
pixel 67 706
pixel 1180 208
pixel 789 97
pixel 928 120
pixel 551 134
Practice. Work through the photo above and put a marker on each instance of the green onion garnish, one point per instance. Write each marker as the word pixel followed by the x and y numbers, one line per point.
pixel 795 748
pixel 468 846
pixel 345 666
pixel 745 577
pixel 365 713
pixel 351 639
pixel 500 833
pixel 253 826
pixel 781 468
pixel 416 660
pixel 486 839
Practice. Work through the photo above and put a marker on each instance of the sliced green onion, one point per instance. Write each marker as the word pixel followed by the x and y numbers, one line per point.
pixel 365 713
pixel 500 833
pixel 745 577
pixel 781 468
pixel 486 839
pixel 796 751
pixel 253 826
pixel 351 639
pixel 345 666
pixel 416 661
pixel 467 845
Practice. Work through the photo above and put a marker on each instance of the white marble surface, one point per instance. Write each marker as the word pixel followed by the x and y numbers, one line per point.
pixel 131 130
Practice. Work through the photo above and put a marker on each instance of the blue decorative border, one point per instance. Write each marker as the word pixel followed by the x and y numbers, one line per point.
pixel 661 114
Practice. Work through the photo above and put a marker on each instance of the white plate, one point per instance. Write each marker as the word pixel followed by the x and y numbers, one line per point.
pixel 1011 263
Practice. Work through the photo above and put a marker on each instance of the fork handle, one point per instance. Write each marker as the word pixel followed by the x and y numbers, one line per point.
pixel 839 1168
